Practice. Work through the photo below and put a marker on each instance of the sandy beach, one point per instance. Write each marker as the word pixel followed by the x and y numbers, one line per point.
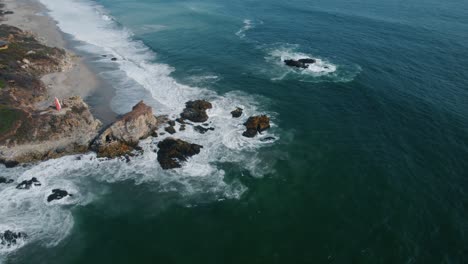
pixel 77 79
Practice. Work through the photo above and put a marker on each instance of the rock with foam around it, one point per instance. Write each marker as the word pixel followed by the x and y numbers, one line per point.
pixel 123 136
pixel 195 111
pixel 173 151
pixel 256 124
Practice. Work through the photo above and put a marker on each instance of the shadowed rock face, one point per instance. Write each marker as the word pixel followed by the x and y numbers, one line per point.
pixel 173 151
pixel 123 136
pixel 256 124
pixel 195 111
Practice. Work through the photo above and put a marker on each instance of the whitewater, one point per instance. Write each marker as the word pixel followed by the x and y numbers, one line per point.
pixel 133 74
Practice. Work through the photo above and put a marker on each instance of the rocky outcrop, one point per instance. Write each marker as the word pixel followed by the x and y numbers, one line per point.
pixel 28 184
pixel 57 194
pixel 301 63
pixel 10 238
pixel 29 129
pixel 39 135
pixel 123 136
pixel 256 124
pixel 174 151
pixel 237 113
pixel 195 111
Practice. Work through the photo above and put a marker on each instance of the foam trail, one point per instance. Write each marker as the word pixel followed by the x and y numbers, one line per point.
pixel 248 24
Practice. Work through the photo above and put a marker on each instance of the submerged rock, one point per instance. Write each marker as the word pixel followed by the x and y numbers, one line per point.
pixel 267 139
pixel 173 151
pixel 57 194
pixel 237 113
pixel 256 124
pixel 202 130
pixel 195 111
pixel 10 238
pixel 123 136
pixel 26 185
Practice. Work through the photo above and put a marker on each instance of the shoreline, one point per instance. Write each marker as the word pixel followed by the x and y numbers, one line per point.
pixel 78 79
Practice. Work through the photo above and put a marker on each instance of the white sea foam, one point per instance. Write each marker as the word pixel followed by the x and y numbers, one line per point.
pixel 136 76
pixel 248 24
pixel 321 70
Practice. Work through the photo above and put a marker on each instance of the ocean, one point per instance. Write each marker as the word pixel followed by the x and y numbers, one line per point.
pixel 369 161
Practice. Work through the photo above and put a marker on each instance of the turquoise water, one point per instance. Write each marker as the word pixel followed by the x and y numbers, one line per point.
pixel 370 164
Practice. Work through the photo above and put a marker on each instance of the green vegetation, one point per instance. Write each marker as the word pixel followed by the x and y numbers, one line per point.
pixel 7 118
pixel 2 84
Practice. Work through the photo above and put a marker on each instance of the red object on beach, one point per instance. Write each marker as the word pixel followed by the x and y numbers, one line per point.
pixel 57 104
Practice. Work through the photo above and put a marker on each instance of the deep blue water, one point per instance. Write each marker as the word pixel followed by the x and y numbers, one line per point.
pixel 371 161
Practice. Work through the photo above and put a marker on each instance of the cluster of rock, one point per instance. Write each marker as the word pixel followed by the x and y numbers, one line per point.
pixel 10 238
pixel 29 133
pixel 301 63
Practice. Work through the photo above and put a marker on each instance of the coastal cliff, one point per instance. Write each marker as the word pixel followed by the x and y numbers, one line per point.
pixel 30 129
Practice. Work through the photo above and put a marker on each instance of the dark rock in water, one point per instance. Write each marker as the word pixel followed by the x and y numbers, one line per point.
pixel 202 130
pixel 6 12
pixel 173 151
pixel 180 120
pixel 267 139
pixel 162 133
pixel 57 194
pixel 154 134
pixel 182 128
pixel 237 113
pixel 127 158
pixel 9 163
pixel 5 180
pixel 10 238
pixel 171 123
pixel 301 63
pixel 114 59
pixel 105 56
pixel 256 124
pixel 206 124
pixel 170 129
pixel 26 185
pixel 195 111
pixel 295 63
pixel 307 61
